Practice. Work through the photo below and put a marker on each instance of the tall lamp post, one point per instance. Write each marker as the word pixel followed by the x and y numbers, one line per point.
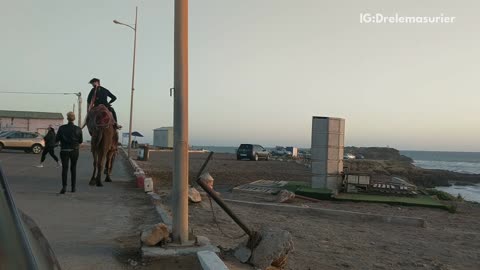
pixel 134 28
pixel 180 132
pixel 79 97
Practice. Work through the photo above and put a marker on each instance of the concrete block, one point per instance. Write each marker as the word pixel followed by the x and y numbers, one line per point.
pixel 173 251
pixel 148 185
pixel 164 215
pixel 210 261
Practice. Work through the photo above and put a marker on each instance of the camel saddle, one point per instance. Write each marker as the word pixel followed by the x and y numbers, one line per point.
pixel 99 117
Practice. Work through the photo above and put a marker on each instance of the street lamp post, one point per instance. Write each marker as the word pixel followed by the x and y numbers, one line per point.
pixel 180 133
pixel 134 28
pixel 79 97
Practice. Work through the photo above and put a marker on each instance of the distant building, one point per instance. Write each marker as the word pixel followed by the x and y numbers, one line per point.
pixel 163 137
pixel 29 121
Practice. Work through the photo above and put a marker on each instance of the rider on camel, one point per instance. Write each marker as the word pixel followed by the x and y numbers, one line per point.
pixel 101 94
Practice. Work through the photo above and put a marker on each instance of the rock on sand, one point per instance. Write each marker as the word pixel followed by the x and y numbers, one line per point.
pixel 273 249
pixel 194 195
pixel 155 234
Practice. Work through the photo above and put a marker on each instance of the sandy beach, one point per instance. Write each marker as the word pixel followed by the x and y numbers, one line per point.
pixel 449 241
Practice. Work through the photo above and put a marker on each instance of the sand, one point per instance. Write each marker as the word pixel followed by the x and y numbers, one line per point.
pixel 450 241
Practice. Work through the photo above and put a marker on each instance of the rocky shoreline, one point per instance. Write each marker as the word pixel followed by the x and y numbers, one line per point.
pixel 386 162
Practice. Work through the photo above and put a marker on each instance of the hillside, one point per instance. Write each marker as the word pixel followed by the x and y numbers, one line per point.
pixel 386 162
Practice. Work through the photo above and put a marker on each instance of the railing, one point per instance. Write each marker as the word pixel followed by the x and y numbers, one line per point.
pixel 22 245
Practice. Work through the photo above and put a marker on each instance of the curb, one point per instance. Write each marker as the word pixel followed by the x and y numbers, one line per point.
pixel 210 261
pixel 136 169
pixel 207 259
pixel 340 214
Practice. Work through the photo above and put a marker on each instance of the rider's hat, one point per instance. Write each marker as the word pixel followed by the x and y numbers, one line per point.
pixel 94 80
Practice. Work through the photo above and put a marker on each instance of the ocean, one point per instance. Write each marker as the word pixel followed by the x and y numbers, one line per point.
pixel 463 162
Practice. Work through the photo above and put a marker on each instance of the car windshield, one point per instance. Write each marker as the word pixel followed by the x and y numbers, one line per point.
pixel 245 146
pixel 5 133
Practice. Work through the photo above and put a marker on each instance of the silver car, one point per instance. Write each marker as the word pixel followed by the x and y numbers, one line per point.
pixel 22 140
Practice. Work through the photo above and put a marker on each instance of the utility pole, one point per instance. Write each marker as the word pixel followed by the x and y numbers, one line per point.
pixel 134 28
pixel 180 120
pixel 79 96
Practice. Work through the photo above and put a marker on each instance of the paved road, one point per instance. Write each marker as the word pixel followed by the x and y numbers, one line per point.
pixel 95 228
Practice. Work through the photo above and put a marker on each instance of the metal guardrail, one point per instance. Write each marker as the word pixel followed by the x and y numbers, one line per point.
pixel 22 245
pixel 15 247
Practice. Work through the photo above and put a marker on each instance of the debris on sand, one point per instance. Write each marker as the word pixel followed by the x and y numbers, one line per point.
pixel 207 179
pixel 285 196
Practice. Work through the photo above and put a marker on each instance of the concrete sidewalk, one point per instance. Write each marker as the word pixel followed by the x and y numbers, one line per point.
pixel 94 228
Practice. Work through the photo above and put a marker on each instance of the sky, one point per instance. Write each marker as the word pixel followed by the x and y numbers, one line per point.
pixel 259 69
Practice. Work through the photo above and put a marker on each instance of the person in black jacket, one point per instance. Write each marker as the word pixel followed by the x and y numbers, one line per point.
pixel 49 147
pixel 70 138
pixel 99 95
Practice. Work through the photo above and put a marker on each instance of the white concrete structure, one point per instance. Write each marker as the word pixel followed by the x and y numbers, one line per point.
pixel 30 121
pixel 163 137
pixel 327 152
pixel 210 261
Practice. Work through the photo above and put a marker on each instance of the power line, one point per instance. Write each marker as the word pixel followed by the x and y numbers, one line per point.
pixel 36 93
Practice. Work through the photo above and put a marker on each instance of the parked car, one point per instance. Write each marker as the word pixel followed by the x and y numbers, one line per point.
pixel 252 152
pixel 348 156
pixel 22 140
pixel 4 133
pixel 281 152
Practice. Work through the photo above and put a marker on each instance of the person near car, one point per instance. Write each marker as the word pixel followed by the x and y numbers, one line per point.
pixel 49 147
pixel 70 137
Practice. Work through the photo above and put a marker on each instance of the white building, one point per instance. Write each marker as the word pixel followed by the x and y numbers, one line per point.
pixel 163 137
pixel 29 121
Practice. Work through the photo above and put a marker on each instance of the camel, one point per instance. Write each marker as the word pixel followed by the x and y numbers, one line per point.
pixel 104 143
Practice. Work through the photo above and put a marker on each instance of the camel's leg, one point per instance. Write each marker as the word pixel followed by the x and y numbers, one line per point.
pixel 100 164
pixel 108 166
pixel 92 180
pixel 114 155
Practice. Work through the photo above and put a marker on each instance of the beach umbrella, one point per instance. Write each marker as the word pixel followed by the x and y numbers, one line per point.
pixel 137 134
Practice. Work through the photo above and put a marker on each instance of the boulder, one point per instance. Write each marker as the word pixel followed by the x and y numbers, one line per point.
pixel 242 253
pixel 194 195
pixel 273 249
pixel 155 234
pixel 207 178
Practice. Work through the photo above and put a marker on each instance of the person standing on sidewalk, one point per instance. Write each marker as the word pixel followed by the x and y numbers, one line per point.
pixel 70 138
pixel 49 148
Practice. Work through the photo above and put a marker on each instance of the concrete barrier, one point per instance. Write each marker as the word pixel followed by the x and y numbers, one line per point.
pixel 206 254
pixel 337 214
pixel 210 261
pixel 136 169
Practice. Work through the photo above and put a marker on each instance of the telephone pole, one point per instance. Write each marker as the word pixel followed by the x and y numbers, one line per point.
pixel 180 120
